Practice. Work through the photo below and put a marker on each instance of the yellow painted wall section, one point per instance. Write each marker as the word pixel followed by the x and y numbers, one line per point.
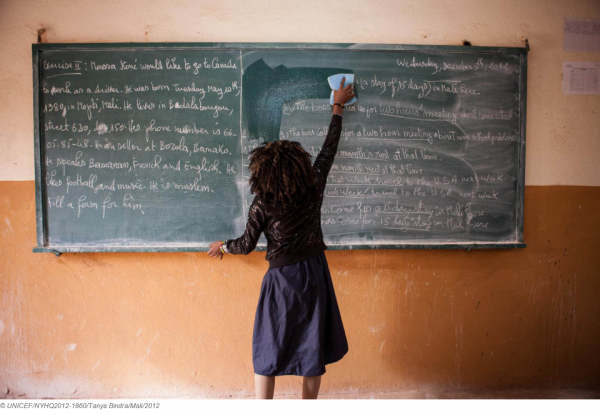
pixel 99 325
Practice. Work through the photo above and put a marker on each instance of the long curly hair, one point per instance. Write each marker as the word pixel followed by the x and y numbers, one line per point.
pixel 281 172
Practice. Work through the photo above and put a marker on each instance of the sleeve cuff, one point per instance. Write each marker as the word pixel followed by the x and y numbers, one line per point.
pixel 339 115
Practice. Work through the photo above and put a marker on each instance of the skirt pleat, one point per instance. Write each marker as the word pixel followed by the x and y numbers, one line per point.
pixel 298 327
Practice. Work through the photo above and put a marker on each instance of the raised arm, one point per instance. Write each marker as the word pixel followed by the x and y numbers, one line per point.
pixel 255 225
pixel 325 157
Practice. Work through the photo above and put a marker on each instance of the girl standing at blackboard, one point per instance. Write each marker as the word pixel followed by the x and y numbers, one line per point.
pixel 298 328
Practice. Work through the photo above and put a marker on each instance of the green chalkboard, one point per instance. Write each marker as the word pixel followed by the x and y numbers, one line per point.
pixel 144 147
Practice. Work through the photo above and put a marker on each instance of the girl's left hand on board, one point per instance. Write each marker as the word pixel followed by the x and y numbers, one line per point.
pixel 215 250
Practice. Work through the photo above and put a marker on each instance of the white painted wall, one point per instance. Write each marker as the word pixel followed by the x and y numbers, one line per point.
pixel 563 131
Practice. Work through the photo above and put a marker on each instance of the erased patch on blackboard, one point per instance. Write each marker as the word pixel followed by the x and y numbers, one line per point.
pixel 266 89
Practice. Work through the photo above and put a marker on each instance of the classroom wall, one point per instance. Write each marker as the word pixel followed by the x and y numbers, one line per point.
pixel 180 324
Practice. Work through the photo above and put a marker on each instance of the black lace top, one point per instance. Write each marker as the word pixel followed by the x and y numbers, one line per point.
pixel 293 234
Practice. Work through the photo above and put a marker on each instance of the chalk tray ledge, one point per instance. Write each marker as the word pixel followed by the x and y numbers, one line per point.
pixel 58 250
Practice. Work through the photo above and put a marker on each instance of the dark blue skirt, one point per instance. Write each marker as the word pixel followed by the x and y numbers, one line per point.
pixel 298 327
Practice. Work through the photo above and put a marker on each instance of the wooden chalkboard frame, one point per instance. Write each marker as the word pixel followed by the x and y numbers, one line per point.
pixel 37 49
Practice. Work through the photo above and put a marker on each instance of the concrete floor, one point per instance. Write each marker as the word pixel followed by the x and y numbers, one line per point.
pixel 571 393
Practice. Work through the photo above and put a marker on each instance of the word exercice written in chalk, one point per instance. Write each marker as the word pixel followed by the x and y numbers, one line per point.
pixel 150 147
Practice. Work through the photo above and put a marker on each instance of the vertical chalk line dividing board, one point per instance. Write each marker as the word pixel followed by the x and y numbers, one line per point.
pixel 145 147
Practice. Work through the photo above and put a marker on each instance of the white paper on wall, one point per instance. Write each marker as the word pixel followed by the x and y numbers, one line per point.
pixel 581 77
pixel 582 35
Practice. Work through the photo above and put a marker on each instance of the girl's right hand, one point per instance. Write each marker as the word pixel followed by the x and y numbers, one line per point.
pixel 343 95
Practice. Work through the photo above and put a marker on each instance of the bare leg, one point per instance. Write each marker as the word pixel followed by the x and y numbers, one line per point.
pixel 310 386
pixel 265 386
